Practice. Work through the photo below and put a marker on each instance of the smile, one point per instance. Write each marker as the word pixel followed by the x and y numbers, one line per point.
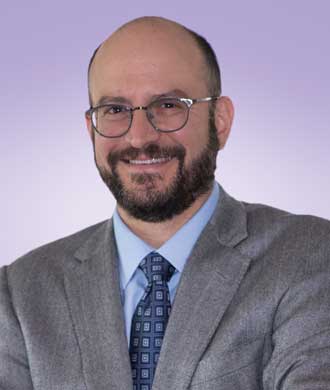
pixel 150 162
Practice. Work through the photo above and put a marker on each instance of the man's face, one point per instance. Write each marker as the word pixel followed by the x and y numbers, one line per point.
pixel 154 175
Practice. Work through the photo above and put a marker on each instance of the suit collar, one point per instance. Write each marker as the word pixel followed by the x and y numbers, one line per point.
pixel 229 220
pixel 98 244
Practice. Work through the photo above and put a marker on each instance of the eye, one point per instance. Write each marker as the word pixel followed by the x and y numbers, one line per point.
pixel 168 105
pixel 113 109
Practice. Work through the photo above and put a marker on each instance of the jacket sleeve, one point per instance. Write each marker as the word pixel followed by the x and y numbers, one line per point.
pixel 301 330
pixel 14 367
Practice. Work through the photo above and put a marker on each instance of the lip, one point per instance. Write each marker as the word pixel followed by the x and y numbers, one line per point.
pixel 152 161
pixel 152 165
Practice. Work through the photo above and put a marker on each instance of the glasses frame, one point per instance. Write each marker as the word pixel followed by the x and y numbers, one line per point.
pixel 188 101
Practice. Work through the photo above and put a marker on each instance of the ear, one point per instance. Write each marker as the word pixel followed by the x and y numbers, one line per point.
pixel 89 126
pixel 223 118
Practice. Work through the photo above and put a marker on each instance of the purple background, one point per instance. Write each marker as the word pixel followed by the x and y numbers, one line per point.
pixel 275 66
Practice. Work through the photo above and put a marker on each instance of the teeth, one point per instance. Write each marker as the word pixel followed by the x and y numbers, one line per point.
pixel 152 161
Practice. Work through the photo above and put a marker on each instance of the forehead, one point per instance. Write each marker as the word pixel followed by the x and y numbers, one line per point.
pixel 148 59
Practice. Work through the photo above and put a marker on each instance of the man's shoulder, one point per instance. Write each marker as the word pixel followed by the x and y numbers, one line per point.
pixel 262 216
pixel 266 221
pixel 54 253
pixel 280 235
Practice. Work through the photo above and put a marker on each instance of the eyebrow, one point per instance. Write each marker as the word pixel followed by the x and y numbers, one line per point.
pixel 172 93
pixel 120 99
pixel 116 99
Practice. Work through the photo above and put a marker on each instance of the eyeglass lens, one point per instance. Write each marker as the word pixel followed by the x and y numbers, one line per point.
pixel 113 120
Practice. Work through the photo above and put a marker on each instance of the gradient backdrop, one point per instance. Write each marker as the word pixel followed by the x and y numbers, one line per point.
pixel 275 66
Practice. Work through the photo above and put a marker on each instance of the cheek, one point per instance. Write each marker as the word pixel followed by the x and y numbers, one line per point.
pixel 102 149
pixel 193 138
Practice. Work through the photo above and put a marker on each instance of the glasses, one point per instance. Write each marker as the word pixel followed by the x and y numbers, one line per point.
pixel 113 120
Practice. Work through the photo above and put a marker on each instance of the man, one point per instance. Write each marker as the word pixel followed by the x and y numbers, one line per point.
pixel 185 287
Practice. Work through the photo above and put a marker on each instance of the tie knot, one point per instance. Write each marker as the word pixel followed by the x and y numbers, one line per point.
pixel 156 268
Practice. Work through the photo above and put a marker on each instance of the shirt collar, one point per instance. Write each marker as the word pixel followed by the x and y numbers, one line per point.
pixel 131 249
pixel 178 248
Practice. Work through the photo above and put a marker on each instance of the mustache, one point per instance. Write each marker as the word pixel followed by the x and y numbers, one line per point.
pixel 150 151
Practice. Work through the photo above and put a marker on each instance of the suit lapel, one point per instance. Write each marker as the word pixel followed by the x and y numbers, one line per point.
pixel 93 292
pixel 208 283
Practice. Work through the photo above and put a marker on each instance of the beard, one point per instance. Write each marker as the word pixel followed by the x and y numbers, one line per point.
pixel 188 184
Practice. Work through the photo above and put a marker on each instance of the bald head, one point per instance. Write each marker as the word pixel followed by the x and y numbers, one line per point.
pixel 152 39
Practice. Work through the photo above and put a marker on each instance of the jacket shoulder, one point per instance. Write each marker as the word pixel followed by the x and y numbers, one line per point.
pixel 283 237
pixel 53 254
pixel 261 216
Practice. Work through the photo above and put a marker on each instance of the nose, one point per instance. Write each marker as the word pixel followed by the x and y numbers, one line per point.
pixel 141 131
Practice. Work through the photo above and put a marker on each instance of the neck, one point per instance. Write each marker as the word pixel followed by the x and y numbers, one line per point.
pixel 157 233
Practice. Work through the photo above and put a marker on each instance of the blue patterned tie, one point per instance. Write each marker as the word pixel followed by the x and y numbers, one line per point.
pixel 149 320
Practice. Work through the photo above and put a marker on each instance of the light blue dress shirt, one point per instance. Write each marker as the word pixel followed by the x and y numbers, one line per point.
pixel 131 250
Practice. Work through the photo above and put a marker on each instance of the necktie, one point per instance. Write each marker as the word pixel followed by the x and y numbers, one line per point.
pixel 149 320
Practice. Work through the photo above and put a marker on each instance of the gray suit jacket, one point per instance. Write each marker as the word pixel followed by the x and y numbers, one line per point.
pixel 252 310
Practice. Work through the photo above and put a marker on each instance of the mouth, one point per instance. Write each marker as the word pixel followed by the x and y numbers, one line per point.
pixel 148 165
pixel 151 161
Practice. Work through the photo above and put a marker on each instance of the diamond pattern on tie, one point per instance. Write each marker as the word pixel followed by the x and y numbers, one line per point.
pixel 149 320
